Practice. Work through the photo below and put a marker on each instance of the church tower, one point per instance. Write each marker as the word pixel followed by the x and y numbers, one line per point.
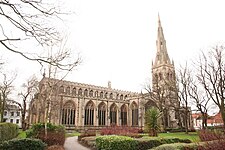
pixel 162 68
pixel 164 80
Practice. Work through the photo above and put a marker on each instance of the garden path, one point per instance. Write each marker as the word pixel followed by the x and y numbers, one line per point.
pixel 71 143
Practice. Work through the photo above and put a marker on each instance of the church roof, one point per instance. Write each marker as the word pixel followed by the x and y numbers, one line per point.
pixel 88 86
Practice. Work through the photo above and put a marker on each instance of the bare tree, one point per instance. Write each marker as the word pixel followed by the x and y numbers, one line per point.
pixel 184 80
pixel 31 21
pixel 6 88
pixel 201 100
pixel 48 92
pixel 29 89
pixel 158 96
pixel 212 76
pixel 163 95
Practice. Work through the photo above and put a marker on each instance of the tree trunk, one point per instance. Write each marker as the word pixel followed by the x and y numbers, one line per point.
pixel 186 121
pixel 204 120
pixel 223 117
pixel 23 122
pixel 1 109
pixel 3 100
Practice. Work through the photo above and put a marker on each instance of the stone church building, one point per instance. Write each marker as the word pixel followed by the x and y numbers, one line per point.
pixel 81 106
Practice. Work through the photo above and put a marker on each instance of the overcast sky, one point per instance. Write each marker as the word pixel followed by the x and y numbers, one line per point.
pixel 117 38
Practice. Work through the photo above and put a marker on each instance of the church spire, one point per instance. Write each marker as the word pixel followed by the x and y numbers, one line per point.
pixel 162 56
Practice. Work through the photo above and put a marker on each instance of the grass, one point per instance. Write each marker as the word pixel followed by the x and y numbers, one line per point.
pixel 193 136
pixel 72 134
pixel 22 134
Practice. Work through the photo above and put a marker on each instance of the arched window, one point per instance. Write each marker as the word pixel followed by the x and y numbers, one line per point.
pixel 106 95
pixel 125 97
pixel 160 76
pixel 80 92
pixel 91 93
pixel 123 115
pixel 61 90
pixel 101 95
pixel 111 96
pixel 86 93
pixel 89 114
pixel 33 114
pixel 121 97
pixel 156 77
pixel 117 96
pixel 168 76
pixel 134 109
pixel 68 90
pixel 150 104
pixel 113 114
pixel 101 114
pixel 74 91
pixel 171 76
pixel 96 93
pixel 68 114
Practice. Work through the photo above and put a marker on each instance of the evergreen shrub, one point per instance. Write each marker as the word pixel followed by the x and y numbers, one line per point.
pixel 148 144
pixel 8 131
pixel 144 144
pixel 114 142
pixel 23 144
pixel 177 146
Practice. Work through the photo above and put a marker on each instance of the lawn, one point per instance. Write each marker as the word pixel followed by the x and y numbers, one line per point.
pixel 193 136
pixel 72 134
pixel 22 134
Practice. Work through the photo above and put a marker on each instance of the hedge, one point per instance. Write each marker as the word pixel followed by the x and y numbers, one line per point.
pixel 147 144
pixel 23 144
pixel 144 144
pixel 8 131
pixel 174 140
pixel 114 142
pixel 177 146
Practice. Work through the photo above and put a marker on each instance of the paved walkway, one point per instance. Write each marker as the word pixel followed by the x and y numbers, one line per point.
pixel 71 143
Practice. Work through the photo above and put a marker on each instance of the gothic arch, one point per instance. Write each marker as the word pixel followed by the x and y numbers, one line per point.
pixel 68 114
pixel 106 95
pixel 96 93
pixel 101 114
pixel 89 114
pixel 134 109
pixel 111 96
pixel 113 114
pixel 150 104
pixel 80 92
pixel 86 93
pixel 74 91
pixel 34 113
pixel 91 93
pixel 117 96
pixel 121 97
pixel 61 89
pixel 123 115
pixel 160 76
pixel 68 90
pixel 101 94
